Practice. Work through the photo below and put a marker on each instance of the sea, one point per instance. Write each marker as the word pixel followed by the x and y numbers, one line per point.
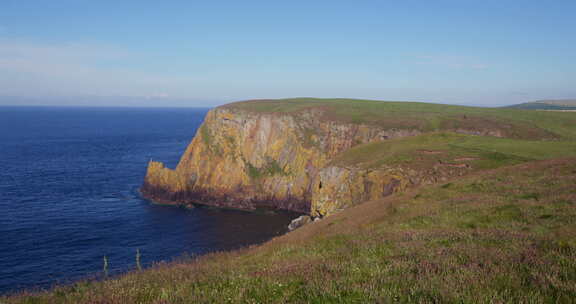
pixel 69 199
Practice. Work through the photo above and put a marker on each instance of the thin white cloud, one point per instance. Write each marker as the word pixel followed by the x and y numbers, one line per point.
pixel 78 69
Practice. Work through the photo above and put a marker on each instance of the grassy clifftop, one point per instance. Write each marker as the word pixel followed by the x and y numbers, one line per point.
pixel 424 116
pixel 501 229
pixel 479 152
pixel 284 153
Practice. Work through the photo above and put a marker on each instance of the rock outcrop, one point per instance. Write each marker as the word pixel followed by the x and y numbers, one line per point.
pixel 248 160
pixel 299 222
pixel 282 160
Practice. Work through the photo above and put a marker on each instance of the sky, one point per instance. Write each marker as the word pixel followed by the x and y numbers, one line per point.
pixel 205 53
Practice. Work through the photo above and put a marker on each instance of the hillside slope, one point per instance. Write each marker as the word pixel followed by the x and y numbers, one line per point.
pixel 504 235
pixel 553 104
pixel 284 154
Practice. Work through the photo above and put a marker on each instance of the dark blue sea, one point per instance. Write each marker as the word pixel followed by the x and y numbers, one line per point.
pixel 69 180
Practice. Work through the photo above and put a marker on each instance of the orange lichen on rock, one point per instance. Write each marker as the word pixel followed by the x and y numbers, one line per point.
pixel 284 159
pixel 248 160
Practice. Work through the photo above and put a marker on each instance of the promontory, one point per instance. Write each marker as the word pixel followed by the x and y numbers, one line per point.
pixel 319 156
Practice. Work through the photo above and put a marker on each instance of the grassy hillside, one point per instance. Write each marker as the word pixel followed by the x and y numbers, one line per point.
pixel 425 116
pixel 478 152
pixel 559 104
pixel 506 235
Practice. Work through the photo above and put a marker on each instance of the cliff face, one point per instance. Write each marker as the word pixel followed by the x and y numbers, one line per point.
pixel 249 156
pixel 243 159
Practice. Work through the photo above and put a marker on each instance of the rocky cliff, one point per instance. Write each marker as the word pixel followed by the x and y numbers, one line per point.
pixel 248 160
pixel 281 159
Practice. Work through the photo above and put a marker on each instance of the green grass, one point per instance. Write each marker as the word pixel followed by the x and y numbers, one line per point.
pixel 481 152
pixel 208 140
pixel 505 233
pixel 543 106
pixel 559 104
pixel 426 116
pixel 271 168
pixel 507 236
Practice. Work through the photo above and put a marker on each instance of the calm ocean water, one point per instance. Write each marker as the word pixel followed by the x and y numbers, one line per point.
pixel 69 181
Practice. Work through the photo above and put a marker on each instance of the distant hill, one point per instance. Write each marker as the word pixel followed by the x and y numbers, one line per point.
pixel 553 104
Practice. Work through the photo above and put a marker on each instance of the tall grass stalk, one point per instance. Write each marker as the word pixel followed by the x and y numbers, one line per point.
pixel 138 265
pixel 105 267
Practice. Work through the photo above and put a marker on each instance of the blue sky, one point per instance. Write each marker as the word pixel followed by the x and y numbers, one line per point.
pixel 203 53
